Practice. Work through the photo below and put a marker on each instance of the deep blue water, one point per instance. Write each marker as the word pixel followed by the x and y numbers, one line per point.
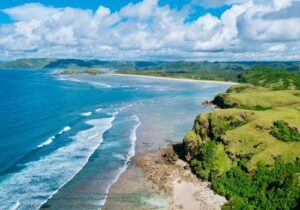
pixel 76 133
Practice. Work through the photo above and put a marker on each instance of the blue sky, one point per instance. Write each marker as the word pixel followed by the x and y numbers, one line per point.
pixel 113 5
pixel 151 29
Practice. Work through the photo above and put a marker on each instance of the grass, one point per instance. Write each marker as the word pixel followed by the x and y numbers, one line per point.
pixel 260 99
pixel 222 162
pixel 257 142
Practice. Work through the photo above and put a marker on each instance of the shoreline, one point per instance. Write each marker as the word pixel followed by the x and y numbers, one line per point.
pixel 172 177
pixel 117 197
pixel 182 193
pixel 173 79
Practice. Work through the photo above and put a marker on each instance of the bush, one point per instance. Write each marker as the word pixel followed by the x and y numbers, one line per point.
pixel 282 131
pixel 202 163
pixel 268 188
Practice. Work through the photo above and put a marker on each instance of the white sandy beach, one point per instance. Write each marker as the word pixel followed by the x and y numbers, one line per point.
pixel 191 194
pixel 174 79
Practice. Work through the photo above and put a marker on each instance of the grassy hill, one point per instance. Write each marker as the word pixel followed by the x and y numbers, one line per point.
pixel 250 149
pixel 257 98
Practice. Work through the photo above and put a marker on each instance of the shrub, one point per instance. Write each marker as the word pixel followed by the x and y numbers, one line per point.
pixel 282 131
pixel 268 188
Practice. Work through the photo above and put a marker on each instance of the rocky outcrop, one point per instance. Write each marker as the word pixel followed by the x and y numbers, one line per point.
pixel 222 102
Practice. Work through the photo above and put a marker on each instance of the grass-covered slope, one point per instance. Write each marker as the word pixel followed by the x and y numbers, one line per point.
pixel 245 134
pixel 250 151
pixel 252 98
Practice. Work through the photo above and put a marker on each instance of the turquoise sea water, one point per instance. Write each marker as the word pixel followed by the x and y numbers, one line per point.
pixel 70 137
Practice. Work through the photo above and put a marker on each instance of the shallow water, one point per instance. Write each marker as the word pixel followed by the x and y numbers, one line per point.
pixel 70 137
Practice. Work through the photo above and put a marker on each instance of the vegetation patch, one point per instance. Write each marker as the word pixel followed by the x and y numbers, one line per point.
pixel 203 162
pixel 218 125
pixel 282 131
pixel 270 77
pixel 277 187
pixel 240 88
pixel 297 94
pixel 86 71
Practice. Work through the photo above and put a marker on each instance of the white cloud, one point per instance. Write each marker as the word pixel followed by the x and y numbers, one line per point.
pixel 281 4
pixel 263 23
pixel 145 31
pixel 142 10
pixel 30 11
pixel 278 48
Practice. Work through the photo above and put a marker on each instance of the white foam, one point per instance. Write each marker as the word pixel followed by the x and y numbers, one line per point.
pixel 98 110
pixel 40 179
pixel 133 137
pixel 120 156
pixel 62 78
pixel 67 128
pixel 15 206
pixel 131 153
pixel 97 84
pixel 100 84
pixel 86 114
pixel 47 142
pixel 50 140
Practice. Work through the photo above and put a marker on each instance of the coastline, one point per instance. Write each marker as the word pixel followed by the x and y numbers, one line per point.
pixel 173 79
pixel 134 189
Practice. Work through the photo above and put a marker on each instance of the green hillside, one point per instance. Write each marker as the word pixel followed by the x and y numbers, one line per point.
pixel 250 149
pixel 273 78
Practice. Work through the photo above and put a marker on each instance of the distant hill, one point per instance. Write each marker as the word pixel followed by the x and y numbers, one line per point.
pixel 176 66
pixel 33 63
pixel 76 63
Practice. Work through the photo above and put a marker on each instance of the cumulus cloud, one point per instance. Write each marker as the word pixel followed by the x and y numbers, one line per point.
pixel 30 11
pixel 270 22
pixel 147 31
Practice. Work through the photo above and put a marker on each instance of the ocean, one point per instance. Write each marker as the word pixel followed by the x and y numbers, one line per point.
pixel 67 138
